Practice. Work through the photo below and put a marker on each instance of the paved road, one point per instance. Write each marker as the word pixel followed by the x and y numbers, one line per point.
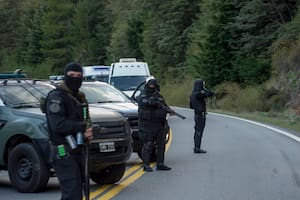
pixel 244 161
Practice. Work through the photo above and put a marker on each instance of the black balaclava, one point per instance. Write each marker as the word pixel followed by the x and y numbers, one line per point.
pixel 152 82
pixel 73 83
pixel 198 85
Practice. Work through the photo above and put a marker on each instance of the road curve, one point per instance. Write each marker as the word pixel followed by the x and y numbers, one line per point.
pixel 245 160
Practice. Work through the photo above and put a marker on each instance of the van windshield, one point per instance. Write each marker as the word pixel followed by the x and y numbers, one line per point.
pixel 127 82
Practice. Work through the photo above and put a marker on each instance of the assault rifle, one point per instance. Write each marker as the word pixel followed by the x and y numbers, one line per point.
pixel 179 115
pixel 172 112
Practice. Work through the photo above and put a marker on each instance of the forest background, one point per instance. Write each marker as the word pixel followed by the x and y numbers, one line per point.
pixel 247 51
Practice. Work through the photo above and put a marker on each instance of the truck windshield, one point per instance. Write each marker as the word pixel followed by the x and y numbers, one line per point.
pixel 125 83
pixel 18 96
pixel 98 93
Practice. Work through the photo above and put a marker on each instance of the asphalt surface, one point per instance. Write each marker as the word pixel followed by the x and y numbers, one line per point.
pixel 245 161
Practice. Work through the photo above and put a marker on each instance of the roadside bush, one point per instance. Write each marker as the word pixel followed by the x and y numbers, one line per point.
pixel 230 96
pixel 273 100
pixel 177 94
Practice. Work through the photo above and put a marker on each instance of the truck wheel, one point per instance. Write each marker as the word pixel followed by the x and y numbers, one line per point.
pixel 27 170
pixel 109 175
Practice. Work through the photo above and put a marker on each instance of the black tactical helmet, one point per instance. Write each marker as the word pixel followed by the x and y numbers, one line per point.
pixel 151 81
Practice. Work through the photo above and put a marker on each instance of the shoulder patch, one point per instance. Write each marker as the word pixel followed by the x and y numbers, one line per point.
pixel 202 91
pixel 54 107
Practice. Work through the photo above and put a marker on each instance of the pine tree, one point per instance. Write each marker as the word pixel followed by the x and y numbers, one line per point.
pixel 9 24
pixel 209 45
pixel 30 34
pixel 165 35
pixel 255 29
pixel 92 30
pixel 57 27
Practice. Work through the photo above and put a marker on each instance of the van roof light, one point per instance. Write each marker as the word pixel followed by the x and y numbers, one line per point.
pixel 127 60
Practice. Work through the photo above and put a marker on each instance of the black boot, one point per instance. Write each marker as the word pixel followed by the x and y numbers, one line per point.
pixel 198 150
pixel 161 166
pixel 147 168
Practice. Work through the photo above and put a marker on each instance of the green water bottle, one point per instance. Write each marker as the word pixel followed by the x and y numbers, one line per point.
pixel 61 150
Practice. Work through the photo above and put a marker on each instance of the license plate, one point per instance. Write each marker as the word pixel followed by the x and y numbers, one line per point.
pixel 107 146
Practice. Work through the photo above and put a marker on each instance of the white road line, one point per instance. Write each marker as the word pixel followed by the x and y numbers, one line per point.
pixel 253 122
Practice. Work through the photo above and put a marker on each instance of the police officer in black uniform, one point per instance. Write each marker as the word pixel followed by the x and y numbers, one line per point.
pixel 68 120
pixel 152 110
pixel 198 103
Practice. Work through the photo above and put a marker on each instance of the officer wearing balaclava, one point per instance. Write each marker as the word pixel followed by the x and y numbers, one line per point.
pixel 198 103
pixel 152 122
pixel 67 116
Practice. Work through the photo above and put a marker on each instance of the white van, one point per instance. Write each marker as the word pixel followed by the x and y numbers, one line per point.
pixel 98 73
pixel 127 74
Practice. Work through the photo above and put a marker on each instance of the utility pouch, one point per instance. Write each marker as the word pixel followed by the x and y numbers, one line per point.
pixel 58 152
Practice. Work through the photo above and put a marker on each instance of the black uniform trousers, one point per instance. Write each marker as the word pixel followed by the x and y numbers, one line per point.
pixel 200 120
pixel 154 143
pixel 71 179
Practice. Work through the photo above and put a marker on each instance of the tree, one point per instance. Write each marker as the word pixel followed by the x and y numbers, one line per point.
pixel 286 63
pixel 9 23
pixel 255 28
pixel 166 26
pixel 57 28
pixel 209 42
pixel 92 30
pixel 31 34
pixel 135 35
pixel 119 47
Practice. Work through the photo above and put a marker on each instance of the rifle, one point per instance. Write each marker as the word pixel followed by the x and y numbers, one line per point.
pixel 86 160
pixel 179 115
pixel 172 112
pixel 86 172
pixel 95 129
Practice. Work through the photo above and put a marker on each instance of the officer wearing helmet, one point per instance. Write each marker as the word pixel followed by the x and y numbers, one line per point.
pixel 198 103
pixel 68 119
pixel 152 111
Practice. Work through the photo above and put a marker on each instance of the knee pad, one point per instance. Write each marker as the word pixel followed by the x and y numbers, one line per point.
pixel 149 145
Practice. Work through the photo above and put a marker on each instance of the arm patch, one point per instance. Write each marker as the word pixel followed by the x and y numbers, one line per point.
pixel 54 107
